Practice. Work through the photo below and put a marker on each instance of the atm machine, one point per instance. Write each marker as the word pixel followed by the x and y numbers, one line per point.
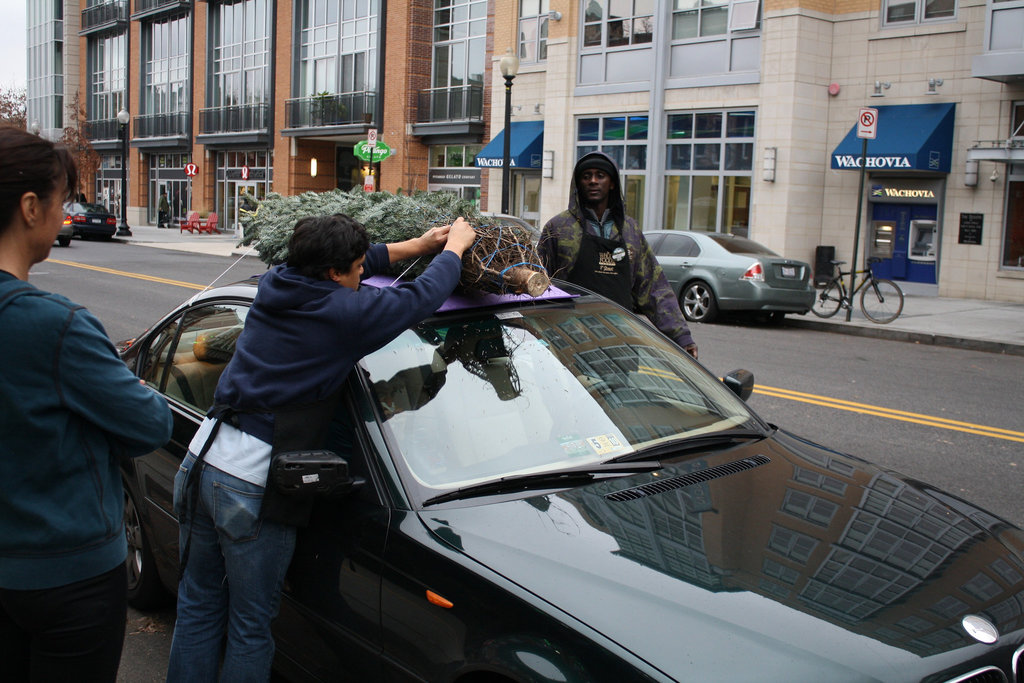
pixel 905 237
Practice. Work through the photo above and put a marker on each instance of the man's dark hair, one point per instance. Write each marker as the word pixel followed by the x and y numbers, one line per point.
pixel 322 242
pixel 30 163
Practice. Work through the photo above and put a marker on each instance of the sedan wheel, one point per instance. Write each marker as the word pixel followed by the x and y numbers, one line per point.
pixel 144 588
pixel 698 303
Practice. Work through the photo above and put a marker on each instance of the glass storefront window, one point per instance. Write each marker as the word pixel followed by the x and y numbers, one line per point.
pixel 624 139
pixel 167 173
pixel 709 160
pixel 1013 236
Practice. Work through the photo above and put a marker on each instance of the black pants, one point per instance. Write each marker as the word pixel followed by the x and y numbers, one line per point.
pixel 69 633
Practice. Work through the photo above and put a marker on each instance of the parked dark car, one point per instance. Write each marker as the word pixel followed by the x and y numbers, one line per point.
pixel 550 490
pixel 65 233
pixel 90 220
pixel 712 272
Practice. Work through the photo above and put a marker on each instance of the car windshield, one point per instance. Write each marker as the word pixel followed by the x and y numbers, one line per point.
pixel 741 245
pixel 538 389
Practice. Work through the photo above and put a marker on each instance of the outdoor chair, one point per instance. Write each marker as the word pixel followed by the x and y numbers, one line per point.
pixel 191 223
pixel 209 225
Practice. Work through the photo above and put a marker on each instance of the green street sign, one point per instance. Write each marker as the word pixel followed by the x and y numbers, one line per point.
pixel 380 152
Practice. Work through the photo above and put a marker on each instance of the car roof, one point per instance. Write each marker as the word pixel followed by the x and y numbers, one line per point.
pixel 460 300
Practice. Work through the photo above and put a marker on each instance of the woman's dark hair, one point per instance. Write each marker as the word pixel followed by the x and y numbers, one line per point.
pixel 30 163
pixel 322 242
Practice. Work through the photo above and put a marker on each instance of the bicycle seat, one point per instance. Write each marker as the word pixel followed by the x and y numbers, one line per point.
pixel 837 263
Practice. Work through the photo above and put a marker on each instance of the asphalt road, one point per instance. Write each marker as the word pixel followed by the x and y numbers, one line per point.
pixel 932 413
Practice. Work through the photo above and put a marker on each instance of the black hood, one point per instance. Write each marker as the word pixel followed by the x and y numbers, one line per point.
pixel 807 566
pixel 615 203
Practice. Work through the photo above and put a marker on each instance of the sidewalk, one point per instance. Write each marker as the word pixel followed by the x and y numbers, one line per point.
pixel 993 326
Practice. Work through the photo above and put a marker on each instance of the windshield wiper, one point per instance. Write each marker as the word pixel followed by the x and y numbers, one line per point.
pixel 540 480
pixel 702 442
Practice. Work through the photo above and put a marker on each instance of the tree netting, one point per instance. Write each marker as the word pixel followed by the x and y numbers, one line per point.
pixel 502 260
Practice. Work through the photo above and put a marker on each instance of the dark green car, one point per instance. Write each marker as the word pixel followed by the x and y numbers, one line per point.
pixel 550 490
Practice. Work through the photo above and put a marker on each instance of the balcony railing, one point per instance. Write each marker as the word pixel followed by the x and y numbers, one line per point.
pixel 330 110
pixel 106 15
pixel 103 129
pixel 145 8
pixel 162 125
pixel 463 103
pixel 234 119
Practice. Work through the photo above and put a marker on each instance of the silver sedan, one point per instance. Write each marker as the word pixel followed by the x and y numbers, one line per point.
pixel 712 272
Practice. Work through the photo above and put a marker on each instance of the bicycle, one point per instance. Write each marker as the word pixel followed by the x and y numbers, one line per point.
pixel 881 300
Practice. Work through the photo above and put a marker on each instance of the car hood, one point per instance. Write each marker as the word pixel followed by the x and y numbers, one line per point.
pixel 778 560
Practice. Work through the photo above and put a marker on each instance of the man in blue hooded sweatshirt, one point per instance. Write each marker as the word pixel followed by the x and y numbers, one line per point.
pixel 309 324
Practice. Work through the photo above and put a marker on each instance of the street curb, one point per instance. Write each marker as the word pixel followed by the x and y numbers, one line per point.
pixel 881 332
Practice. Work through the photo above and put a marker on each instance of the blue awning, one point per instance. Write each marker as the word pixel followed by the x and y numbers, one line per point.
pixel 525 147
pixel 911 137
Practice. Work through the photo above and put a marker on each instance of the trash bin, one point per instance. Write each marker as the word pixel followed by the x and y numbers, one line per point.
pixel 823 268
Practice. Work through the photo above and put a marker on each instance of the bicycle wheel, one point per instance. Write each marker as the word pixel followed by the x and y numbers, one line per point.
pixel 828 301
pixel 881 301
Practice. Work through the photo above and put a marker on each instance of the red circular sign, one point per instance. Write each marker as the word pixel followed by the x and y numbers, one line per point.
pixel 867 118
pixel 191 169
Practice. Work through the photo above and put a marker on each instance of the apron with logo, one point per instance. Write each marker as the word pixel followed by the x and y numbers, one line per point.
pixel 602 266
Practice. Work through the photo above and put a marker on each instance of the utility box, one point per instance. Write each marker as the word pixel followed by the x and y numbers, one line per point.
pixel 823 268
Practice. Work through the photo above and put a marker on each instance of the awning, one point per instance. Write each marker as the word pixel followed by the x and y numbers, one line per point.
pixel 911 137
pixel 525 147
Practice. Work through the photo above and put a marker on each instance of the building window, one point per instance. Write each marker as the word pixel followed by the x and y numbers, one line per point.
pixel 240 47
pixel 1013 235
pixel 533 30
pixel 108 70
pixel 617 23
pixel 709 160
pixel 460 35
pixel 166 86
pixel 704 18
pixel 167 173
pixel 453 156
pixel 337 46
pixel 903 12
pixel 624 139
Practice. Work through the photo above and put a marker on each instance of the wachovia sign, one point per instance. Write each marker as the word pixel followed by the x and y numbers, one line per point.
pixel 879 162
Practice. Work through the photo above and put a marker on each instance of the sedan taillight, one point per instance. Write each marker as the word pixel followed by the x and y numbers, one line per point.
pixel 67 220
pixel 111 221
pixel 78 219
pixel 754 272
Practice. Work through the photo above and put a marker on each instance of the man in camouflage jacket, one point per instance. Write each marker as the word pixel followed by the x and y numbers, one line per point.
pixel 596 245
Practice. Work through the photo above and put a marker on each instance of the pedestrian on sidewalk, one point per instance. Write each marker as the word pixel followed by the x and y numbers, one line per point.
pixel 309 325
pixel 163 210
pixel 595 244
pixel 69 410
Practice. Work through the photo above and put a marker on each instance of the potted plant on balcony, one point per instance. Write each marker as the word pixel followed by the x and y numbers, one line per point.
pixel 327 109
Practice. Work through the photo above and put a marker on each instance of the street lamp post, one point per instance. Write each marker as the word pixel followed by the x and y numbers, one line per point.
pixel 509 69
pixel 122 119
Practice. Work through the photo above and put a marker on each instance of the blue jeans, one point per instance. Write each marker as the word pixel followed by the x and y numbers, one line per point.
pixel 236 567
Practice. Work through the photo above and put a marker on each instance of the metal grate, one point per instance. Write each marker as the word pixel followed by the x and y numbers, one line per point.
pixel 989 674
pixel 699 477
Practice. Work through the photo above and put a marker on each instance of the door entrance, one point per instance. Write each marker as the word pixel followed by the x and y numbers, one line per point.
pixel 906 239
pixel 242 198
pixel 526 203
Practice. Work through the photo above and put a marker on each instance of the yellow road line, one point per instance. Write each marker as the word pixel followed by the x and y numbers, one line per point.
pixel 892 414
pixel 123 273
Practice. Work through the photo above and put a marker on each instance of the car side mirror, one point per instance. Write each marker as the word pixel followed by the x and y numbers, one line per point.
pixel 319 473
pixel 740 382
